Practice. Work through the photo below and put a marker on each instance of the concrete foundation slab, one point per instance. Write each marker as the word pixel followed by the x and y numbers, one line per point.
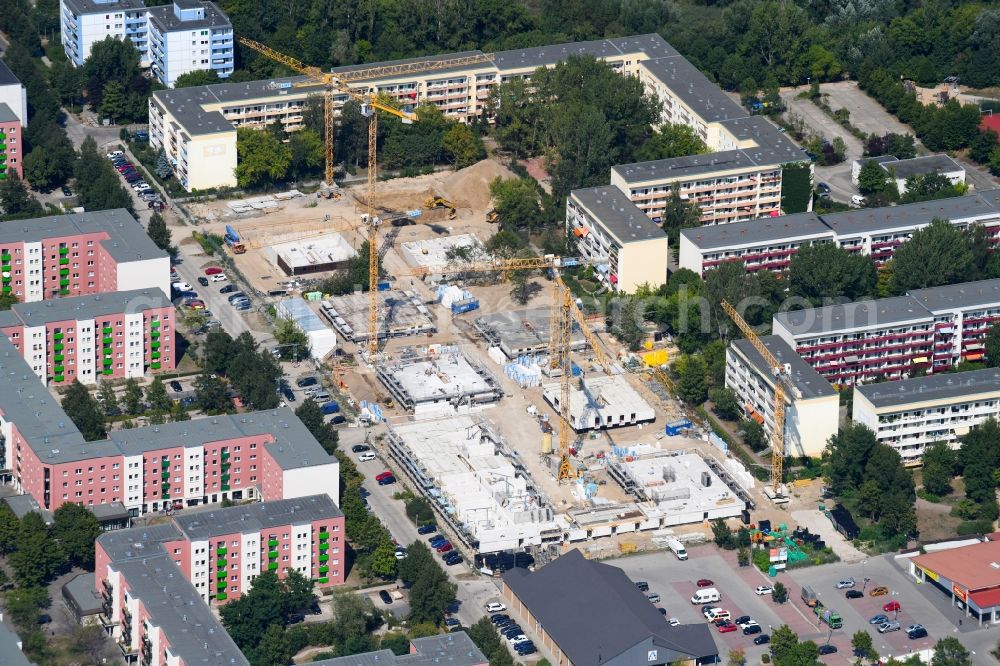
pixel 602 402
pixel 436 377
pixel 401 314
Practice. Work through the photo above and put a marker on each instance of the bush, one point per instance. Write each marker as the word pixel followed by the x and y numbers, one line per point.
pixel 974 527
pixel 780 593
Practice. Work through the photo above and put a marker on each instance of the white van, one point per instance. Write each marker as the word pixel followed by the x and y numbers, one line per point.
pixel 705 595
pixel 718 614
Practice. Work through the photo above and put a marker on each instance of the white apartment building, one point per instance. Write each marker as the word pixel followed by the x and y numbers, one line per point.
pixel 13 94
pixel 911 414
pixel 172 40
pixel 629 249
pixel 812 408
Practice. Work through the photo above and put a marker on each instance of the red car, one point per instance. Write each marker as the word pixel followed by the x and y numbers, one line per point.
pixel 704 582
pixel 892 606
pixel 726 628
pixel 213 270
pixel 126 167
pixel 444 548
pixel 383 475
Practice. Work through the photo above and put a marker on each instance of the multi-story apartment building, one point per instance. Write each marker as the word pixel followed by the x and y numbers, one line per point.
pixel 627 247
pixel 746 178
pixel 11 143
pixel 79 254
pixel 257 455
pixel 173 39
pixel 107 336
pixel 220 552
pixel 890 338
pixel 875 232
pixel 454 649
pixel 812 407
pixel 911 414
pixel 13 94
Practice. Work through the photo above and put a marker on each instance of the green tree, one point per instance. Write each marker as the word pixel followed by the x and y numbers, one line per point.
pixel 671 141
pixel 76 529
pixel 160 234
pixel 114 102
pixel 307 152
pixel 273 647
pixel 862 644
pixel 722 534
pixel 262 159
pixel 9 526
pixel 84 411
pixel 679 214
pixel 311 416
pixel 199 77
pixel 977 458
pixel 107 399
pixel 872 179
pixel 178 413
pixel 382 561
pixel 419 560
pixel 23 603
pixel 725 403
pixel 780 593
pixel 936 254
pixel 38 559
pixel 928 187
pixel 462 147
pixel 430 594
pixel 783 643
pixel 992 346
pixel 296 342
pixel 218 351
pixel 210 394
pixel 824 271
pixel 692 385
pixel 754 435
pixel 949 651
pixel 939 469
pixel 132 397
pixel 156 394
pixel 516 202
pixel 15 200
pixel 110 61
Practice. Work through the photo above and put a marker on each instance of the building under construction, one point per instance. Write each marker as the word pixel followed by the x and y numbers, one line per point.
pixel 401 314
pixel 597 403
pixel 438 381
pixel 520 332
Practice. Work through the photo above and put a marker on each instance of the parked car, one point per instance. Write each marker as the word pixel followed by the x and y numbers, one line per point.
pixel 879 619
pixel 400 553
pixel 847 582
pixel 499 618
pixel 295 618
pixel 385 597
pixel 452 558
pixel 181 286
pixel 704 582
pixel 302 382
pixel 854 594
pixel 176 386
pixel 443 548
pixel 219 277
pixel 751 629
pixel 495 607
pixel 727 627
pixel 429 528
pixel 213 270
pixel 827 649
pixel 236 296
pixel 744 619
pixel 365 457
pixel 887 627
pixel 288 393
pixel 879 591
pixel 892 607
pixel 915 631
pixel 823 187
pixel 436 540
pixel 764 589
pixel 763 639
pixel 228 289
pixel 654 597
pixel 66 191
pixel 387 481
pixel 115 153
pixel 642 585
pixel 383 475
pixel 203 281
pixel 360 448
pixel 857 200
pixel 524 649
pixel 241 306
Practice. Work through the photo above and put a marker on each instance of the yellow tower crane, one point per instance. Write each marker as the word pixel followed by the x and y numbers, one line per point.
pixel 338 84
pixel 780 373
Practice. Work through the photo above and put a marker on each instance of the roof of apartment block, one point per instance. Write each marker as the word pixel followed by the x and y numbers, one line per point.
pixel 803 377
pixel 455 649
pixel 773 145
pixel 874 220
pixel 10 652
pixel 346 69
pixel 186 104
pixel 784 228
pixel 919 166
pixel 137 542
pixel 8 318
pixel 859 314
pixel 256 517
pixel 39 313
pixel 932 388
pixel 128 241
pixel 618 214
pixel 619 616
pixel 682 168
pixel 92 7
pixel 960 296
pixel 176 607
pixel 7 77
pixel 694 89
pixel 167 20
pixel 542 56
pixel 7 115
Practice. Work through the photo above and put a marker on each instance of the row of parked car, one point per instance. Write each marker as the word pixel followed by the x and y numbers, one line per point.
pixel 135 180
pixel 510 629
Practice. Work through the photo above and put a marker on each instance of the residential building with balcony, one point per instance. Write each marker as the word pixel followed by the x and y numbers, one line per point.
pixel 79 254
pixel 875 232
pixel 11 143
pixel 102 336
pixel 13 94
pixel 83 23
pixel 454 649
pixel 204 118
pixel 812 406
pixel 222 551
pixel 911 414
pixel 266 455
pixel 187 36
pixel 627 248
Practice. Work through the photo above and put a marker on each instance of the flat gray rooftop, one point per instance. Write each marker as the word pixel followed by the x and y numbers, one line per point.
pixel 908 216
pixel 788 228
pixel 683 167
pixel 6 114
pixel 810 383
pixel 518 330
pixel 432 380
pixel 944 386
pixel 165 19
pixel 177 608
pixel 128 241
pixel 694 89
pixel 137 542
pixel 618 214
pixel 256 517
pixel 962 296
pixel 455 649
pixel 81 589
pixel 879 313
pixel 773 145
pixel 920 166
pixel 91 7
pixel 39 313
pixel 10 653
pixel 22 505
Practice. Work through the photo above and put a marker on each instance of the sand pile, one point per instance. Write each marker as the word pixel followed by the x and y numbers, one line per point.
pixel 470 187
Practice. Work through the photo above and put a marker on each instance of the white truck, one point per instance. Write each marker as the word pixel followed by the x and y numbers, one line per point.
pixel 678 549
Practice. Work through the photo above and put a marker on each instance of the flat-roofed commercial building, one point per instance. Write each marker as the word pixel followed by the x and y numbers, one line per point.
pixel 812 408
pixel 967 575
pixel 627 247
pixel 911 414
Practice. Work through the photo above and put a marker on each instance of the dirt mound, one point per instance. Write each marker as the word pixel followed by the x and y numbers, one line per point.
pixel 470 187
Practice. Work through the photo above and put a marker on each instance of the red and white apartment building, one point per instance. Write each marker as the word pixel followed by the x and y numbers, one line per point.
pixel 876 232
pixel 891 338
pixel 100 336
pixel 79 254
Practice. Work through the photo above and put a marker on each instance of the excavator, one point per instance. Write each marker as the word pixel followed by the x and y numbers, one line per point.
pixel 440 202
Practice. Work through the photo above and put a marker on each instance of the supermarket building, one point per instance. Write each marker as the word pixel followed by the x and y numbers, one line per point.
pixel 968 575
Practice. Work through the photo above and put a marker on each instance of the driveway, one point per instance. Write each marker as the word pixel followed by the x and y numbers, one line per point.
pixel 819 524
